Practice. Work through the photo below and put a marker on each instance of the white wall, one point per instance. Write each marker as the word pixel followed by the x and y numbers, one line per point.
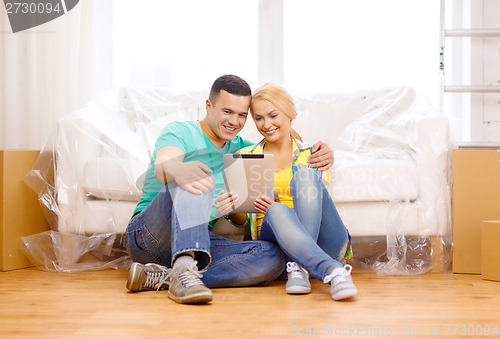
pixel 490 71
pixel 473 61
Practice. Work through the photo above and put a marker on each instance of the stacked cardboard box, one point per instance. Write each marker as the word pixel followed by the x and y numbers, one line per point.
pixel 476 198
pixel 20 212
pixel 490 250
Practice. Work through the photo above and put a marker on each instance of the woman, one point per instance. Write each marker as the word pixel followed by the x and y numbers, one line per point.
pixel 301 218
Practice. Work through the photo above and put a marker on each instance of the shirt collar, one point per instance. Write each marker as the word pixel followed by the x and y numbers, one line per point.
pixel 296 144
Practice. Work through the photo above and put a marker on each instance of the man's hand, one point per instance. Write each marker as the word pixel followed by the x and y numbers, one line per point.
pixel 321 157
pixel 193 176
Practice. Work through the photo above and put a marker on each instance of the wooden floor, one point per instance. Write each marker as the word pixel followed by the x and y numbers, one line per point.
pixel 96 304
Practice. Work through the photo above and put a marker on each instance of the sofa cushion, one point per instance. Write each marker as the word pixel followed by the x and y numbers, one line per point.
pixel 103 216
pixel 374 180
pixel 113 179
pixel 380 218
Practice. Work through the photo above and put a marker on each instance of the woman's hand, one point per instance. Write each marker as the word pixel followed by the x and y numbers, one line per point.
pixel 225 202
pixel 263 203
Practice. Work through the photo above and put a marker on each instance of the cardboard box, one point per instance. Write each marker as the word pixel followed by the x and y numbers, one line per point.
pixel 490 251
pixel 476 197
pixel 20 212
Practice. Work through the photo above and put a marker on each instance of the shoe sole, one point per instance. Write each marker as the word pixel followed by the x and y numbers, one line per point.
pixel 345 294
pixel 197 298
pixel 298 290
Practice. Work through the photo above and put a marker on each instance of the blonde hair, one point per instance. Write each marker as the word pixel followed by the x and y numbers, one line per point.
pixel 280 98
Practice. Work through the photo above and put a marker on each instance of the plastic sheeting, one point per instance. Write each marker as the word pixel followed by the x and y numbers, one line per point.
pixel 391 177
pixel 389 182
pixel 66 252
pixel 89 175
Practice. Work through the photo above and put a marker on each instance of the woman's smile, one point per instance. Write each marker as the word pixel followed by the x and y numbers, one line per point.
pixel 271 131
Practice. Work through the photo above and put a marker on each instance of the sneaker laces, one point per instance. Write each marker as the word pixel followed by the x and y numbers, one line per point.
pixel 296 272
pixel 338 275
pixel 156 279
pixel 191 277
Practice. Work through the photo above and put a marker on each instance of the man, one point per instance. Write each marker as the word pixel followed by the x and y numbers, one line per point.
pixel 170 226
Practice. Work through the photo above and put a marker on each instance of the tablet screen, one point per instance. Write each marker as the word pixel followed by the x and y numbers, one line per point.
pixel 249 176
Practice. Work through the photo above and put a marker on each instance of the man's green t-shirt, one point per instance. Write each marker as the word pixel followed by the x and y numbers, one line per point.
pixel 188 136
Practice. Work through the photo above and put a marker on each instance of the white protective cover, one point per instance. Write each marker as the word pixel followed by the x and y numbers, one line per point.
pixel 390 178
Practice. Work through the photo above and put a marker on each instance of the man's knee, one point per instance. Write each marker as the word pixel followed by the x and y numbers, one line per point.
pixel 205 196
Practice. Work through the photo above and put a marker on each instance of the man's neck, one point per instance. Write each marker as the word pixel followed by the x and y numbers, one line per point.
pixel 205 129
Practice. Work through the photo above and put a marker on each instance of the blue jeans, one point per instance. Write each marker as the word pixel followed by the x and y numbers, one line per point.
pixel 312 233
pixel 176 221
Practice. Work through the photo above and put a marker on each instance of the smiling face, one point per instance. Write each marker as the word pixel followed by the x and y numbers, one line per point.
pixel 271 123
pixel 226 116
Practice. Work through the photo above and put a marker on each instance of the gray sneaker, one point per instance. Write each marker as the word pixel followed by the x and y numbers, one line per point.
pixel 298 279
pixel 186 286
pixel 148 277
pixel 341 281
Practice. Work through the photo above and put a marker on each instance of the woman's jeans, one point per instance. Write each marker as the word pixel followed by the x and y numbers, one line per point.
pixel 176 221
pixel 312 233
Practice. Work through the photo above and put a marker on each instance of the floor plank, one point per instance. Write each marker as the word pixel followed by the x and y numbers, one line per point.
pixel 96 304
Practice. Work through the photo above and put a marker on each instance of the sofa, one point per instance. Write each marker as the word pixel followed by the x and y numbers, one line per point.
pixel 389 181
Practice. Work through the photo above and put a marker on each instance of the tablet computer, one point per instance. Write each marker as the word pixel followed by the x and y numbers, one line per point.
pixel 249 176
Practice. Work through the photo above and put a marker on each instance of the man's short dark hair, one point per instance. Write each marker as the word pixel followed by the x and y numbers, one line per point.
pixel 230 83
